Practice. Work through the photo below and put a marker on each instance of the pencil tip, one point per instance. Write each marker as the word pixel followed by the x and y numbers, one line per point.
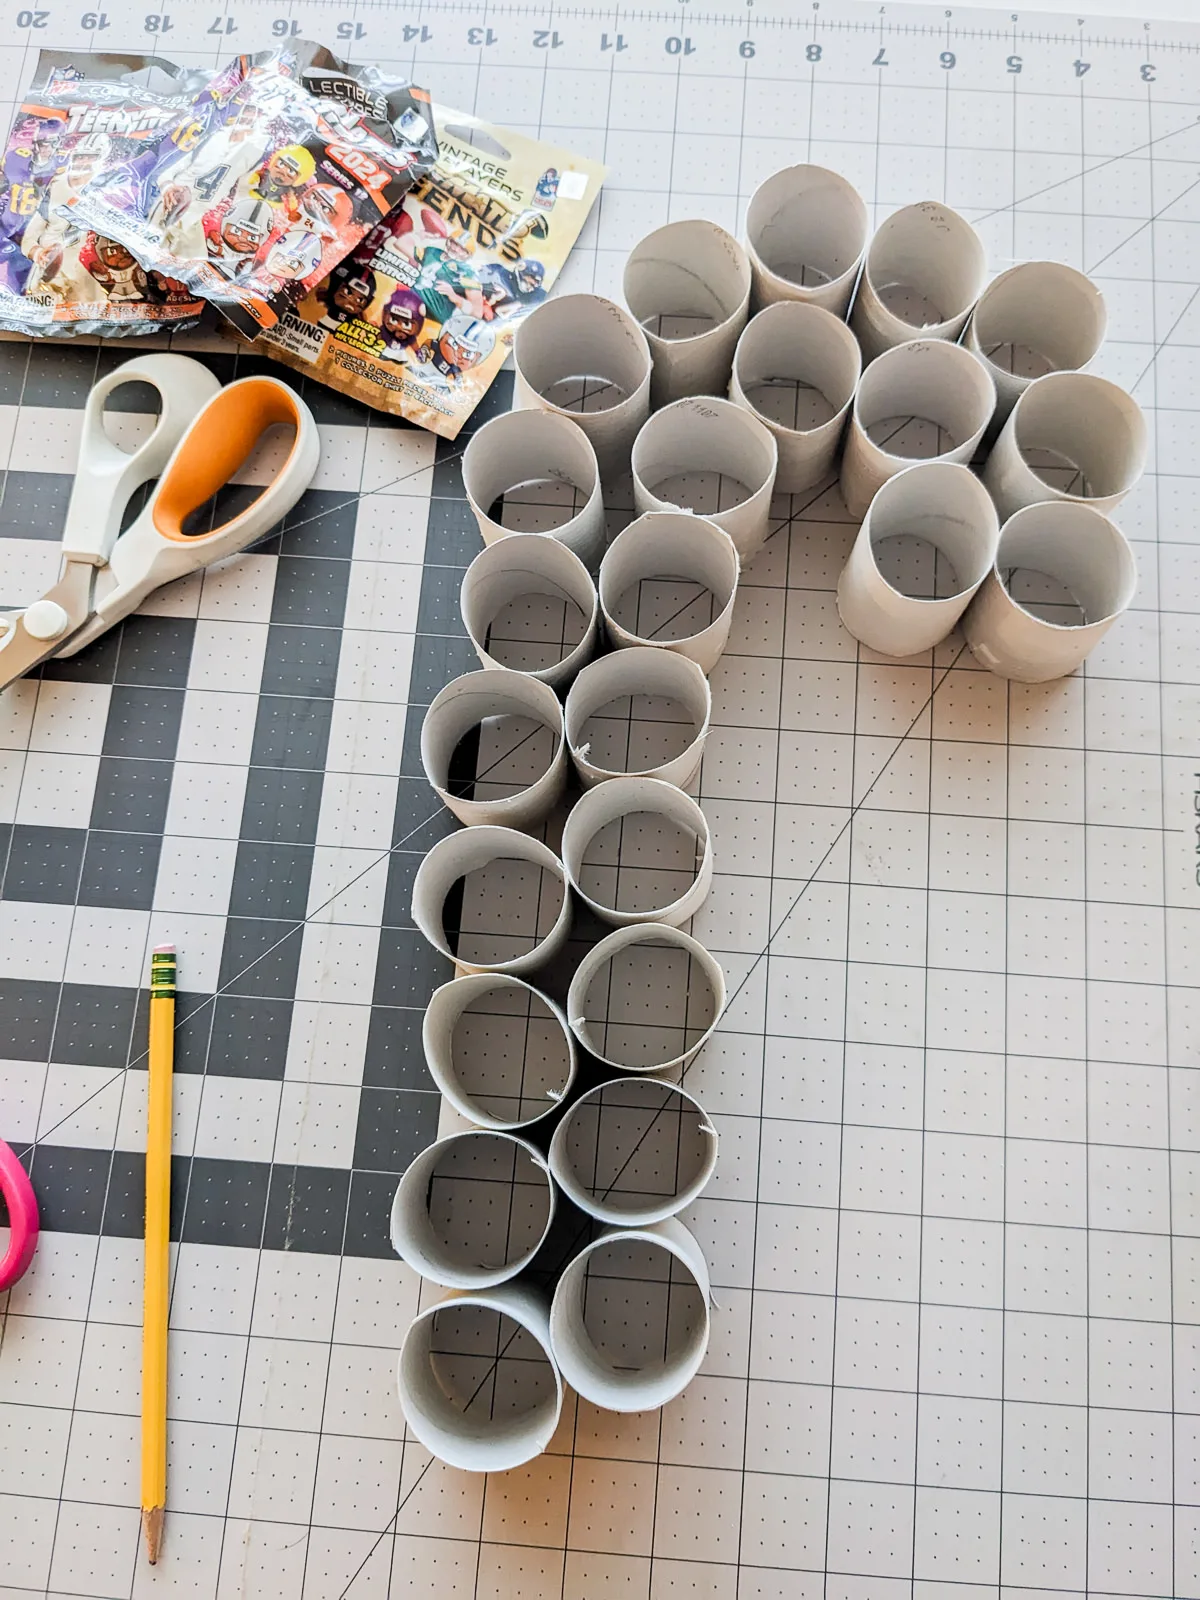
pixel 152 1531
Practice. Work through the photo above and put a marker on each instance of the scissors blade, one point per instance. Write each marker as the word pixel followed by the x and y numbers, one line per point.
pixel 33 635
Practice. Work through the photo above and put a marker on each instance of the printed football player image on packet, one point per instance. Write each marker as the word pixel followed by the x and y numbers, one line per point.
pixel 275 170
pixel 419 320
pixel 81 116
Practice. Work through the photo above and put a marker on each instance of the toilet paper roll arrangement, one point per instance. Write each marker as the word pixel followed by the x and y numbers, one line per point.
pixel 474 1212
pixel 811 353
pixel 841 352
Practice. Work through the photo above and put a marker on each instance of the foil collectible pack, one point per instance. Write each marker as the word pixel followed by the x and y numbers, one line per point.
pixel 274 170
pixel 419 320
pixel 82 116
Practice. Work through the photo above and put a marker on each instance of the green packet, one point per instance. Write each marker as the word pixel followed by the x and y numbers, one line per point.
pixel 420 318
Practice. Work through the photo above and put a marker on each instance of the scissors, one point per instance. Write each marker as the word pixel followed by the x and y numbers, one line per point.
pixel 203 436
pixel 22 1217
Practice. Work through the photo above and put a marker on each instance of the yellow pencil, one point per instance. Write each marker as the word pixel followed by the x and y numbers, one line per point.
pixel 158 1244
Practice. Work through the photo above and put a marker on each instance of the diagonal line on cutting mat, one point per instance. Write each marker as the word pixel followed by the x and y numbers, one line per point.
pixel 1142 226
pixel 119 1072
pixel 1074 177
pixel 760 956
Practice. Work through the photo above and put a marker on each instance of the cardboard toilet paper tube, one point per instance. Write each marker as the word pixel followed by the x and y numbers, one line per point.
pixel 924 271
pixel 1078 547
pixel 473 1209
pixel 694 277
pixel 948 507
pixel 581 351
pixel 666 546
pixel 928 380
pixel 627 674
pixel 1039 316
pixel 520 571
pixel 646 1029
pixel 536 447
pixel 1090 434
pixel 467 702
pixel 663 1373
pixel 483 1436
pixel 508 1008
pixel 792 344
pixel 709 437
pixel 634 1151
pixel 686 887
pixel 806 234
pixel 472 850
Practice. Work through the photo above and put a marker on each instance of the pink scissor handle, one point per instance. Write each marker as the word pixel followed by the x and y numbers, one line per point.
pixel 22 1217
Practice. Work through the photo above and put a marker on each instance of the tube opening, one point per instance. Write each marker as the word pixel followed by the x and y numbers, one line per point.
pixel 633 1150
pixel 640 862
pixel 535 631
pixel 472 1210
pixel 914 437
pixel 630 1323
pixel 637 733
pixel 509 1055
pixel 500 756
pixel 666 609
pixel 585 392
pixel 807 226
pixel 701 491
pixel 1074 429
pixel 908 302
pixel 647 1004
pixel 1021 360
pixel 485 1369
pixel 1066 564
pixel 915 567
pixel 504 909
pixel 792 403
pixel 1043 596
pixel 539 505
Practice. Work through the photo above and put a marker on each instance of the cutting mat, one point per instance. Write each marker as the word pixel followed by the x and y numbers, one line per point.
pixel 953 1233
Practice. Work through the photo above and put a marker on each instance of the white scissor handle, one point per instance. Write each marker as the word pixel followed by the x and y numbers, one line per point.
pixel 158 547
pixel 107 476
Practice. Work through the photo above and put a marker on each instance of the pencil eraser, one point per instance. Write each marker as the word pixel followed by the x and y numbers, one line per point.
pixel 164 950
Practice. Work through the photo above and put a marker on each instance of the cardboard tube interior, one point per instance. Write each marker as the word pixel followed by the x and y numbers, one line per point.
pixel 638 706
pixel 638 850
pixel 521 761
pixel 711 457
pixel 927 400
pixel 796 369
pixel 806 232
pixel 498 1049
pixel 529 604
pixel 634 1151
pixel 947 508
pixel 677 566
pixel 1092 575
pixel 587 359
pixel 548 458
pixel 468 1407
pixel 1070 436
pixel 924 271
pixel 1038 317
pixel 508 878
pixel 473 1209
pixel 672 994
pixel 629 1323
pixel 688 284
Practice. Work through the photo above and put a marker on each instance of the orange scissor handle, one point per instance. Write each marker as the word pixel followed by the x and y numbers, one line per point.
pixel 218 445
